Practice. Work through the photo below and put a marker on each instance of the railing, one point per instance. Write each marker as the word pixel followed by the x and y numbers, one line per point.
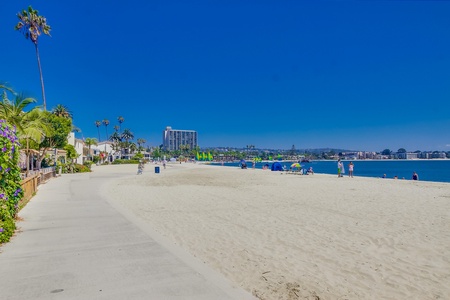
pixel 47 173
pixel 32 173
pixel 29 187
pixel 32 180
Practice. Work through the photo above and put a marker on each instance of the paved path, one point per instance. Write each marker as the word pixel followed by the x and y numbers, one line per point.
pixel 74 245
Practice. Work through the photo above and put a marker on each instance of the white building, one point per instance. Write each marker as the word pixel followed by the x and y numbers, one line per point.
pixel 106 147
pixel 173 138
pixel 78 144
pixel 407 155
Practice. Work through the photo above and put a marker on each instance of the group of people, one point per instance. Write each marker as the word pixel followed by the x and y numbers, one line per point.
pixel 415 176
pixel 341 169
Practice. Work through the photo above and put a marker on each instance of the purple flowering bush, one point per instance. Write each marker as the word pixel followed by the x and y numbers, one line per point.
pixel 10 187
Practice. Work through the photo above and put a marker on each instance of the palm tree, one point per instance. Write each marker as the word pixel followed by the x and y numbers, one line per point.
pixel 5 88
pixel 75 128
pixel 132 147
pixel 34 127
pixel 187 147
pixel 127 135
pixel 116 128
pixel 32 25
pixel 116 139
pixel 12 111
pixel 62 111
pixel 120 120
pixel 98 124
pixel 89 142
pixel 140 142
pixel 106 123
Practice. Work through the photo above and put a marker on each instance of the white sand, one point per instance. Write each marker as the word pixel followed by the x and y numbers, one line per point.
pixel 301 237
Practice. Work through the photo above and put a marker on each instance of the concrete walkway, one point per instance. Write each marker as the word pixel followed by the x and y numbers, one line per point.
pixel 73 244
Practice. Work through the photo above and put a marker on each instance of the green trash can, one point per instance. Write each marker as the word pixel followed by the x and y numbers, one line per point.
pixel 156 170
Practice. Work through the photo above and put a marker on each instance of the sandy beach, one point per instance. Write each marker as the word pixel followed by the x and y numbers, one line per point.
pixel 283 236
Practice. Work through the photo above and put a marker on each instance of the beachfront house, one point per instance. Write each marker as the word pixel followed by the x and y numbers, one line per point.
pixel 108 148
pixel 79 146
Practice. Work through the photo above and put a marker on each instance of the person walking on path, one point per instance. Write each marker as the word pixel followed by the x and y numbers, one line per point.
pixel 140 167
pixel 350 169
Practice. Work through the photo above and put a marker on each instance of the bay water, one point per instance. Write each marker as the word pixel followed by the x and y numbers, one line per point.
pixel 428 170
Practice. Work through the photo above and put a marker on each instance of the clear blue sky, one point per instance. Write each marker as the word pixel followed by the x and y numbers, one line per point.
pixel 362 75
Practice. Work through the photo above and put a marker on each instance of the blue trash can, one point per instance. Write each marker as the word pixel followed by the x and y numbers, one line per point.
pixel 156 169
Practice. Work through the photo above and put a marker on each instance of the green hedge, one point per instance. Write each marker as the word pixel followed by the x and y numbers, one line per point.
pixel 73 168
pixel 125 161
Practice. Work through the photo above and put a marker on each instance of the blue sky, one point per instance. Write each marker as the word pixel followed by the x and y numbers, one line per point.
pixel 361 75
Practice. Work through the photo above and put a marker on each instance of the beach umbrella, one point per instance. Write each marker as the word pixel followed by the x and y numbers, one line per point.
pixel 198 156
pixel 296 165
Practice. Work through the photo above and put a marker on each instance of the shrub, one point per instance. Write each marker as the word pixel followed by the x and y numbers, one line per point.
pixel 10 181
pixel 125 161
pixel 73 168
pixel 81 168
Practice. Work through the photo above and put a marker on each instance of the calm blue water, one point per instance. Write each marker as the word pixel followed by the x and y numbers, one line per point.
pixel 428 170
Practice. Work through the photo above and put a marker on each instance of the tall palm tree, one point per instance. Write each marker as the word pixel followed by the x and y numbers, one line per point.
pixel 116 128
pixel 89 142
pixel 106 123
pixel 98 124
pixel 32 25
pixel 120 120
pixel 62 111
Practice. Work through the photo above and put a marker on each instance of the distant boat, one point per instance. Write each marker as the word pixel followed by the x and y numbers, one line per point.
pixel 304 160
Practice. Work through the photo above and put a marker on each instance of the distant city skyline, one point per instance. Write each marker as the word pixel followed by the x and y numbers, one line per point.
pixel 360 75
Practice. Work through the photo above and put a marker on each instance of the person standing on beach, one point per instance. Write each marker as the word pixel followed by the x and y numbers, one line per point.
pixel 339 168
pixel 350 169
pixel 415 176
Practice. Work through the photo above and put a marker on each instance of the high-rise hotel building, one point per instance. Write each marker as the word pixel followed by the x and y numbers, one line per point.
pixel 173 139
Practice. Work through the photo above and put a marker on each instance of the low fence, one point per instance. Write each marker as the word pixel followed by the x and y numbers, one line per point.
pixel 32 180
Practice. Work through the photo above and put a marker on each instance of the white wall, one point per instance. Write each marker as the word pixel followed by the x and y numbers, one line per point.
pixel 78 145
